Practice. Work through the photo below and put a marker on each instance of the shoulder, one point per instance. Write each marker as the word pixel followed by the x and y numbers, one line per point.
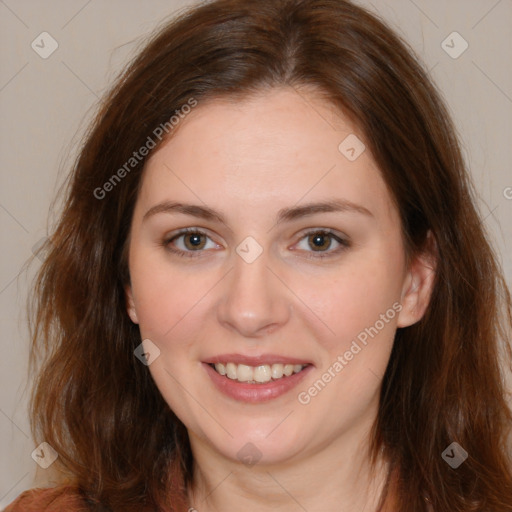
pixel 54 499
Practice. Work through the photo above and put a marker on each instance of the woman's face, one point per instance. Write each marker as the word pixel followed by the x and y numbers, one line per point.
pixel 293 261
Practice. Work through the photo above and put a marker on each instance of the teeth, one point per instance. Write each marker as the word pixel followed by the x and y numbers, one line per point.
pixel 231 370
pixel 288 369
pixel 277 371
pixel 262 373
pixel 220 368
pixel 244 373
pixel 257 374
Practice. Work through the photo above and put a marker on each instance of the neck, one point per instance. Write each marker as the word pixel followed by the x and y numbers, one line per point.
pixel 337 477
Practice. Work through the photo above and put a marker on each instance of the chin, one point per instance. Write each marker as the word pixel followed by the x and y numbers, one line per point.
pixel 271 441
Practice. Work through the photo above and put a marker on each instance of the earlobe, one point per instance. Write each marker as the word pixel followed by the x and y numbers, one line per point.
pixel 418 285
pixel 130 305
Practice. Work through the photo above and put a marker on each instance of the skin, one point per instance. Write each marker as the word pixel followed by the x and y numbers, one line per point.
pixel 248 159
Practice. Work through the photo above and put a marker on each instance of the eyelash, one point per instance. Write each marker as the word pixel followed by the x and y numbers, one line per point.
pixel 344 244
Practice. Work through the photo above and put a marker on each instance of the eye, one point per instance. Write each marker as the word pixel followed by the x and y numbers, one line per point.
pixel 187 241
pixel 321 241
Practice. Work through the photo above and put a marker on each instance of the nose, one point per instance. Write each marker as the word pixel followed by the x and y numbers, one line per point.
pixel 254 301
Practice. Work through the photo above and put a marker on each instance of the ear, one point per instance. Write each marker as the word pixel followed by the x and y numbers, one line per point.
pixel 418 284
pixel 130 304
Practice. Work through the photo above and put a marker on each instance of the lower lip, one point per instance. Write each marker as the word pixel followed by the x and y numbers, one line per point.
pixel 255 393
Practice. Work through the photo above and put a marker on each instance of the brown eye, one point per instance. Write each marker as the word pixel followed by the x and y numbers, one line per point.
pixel 322 244
pixel 320 241
pixel 189 242
pixel 193 241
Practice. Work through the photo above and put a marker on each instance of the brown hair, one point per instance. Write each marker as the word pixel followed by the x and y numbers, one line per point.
pixel 98 406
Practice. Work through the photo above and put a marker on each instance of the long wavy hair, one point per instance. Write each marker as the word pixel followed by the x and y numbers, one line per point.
pixel 97 405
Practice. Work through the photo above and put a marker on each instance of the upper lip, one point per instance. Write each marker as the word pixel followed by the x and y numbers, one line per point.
pixel 255 360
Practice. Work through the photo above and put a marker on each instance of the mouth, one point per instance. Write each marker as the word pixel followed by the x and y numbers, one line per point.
pixel 261 374
pixel 256 379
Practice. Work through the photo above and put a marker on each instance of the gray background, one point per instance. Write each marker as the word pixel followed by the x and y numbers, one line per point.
pixel 46 103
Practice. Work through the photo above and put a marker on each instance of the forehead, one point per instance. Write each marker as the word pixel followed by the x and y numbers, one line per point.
pixel 274 148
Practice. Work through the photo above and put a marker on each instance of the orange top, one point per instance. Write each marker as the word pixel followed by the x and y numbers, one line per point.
pixel 66 498
pixel 53 499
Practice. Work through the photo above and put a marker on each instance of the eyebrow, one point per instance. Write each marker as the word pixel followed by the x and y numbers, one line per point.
pixel 283 215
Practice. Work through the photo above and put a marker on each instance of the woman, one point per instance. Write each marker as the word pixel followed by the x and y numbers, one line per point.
pixel 270 288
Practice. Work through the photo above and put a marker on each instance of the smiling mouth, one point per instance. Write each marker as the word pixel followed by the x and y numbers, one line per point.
pixel 261 374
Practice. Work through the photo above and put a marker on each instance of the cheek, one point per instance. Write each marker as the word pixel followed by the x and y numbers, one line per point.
pixel 360 307
pixel 353 298
pixel 165 298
